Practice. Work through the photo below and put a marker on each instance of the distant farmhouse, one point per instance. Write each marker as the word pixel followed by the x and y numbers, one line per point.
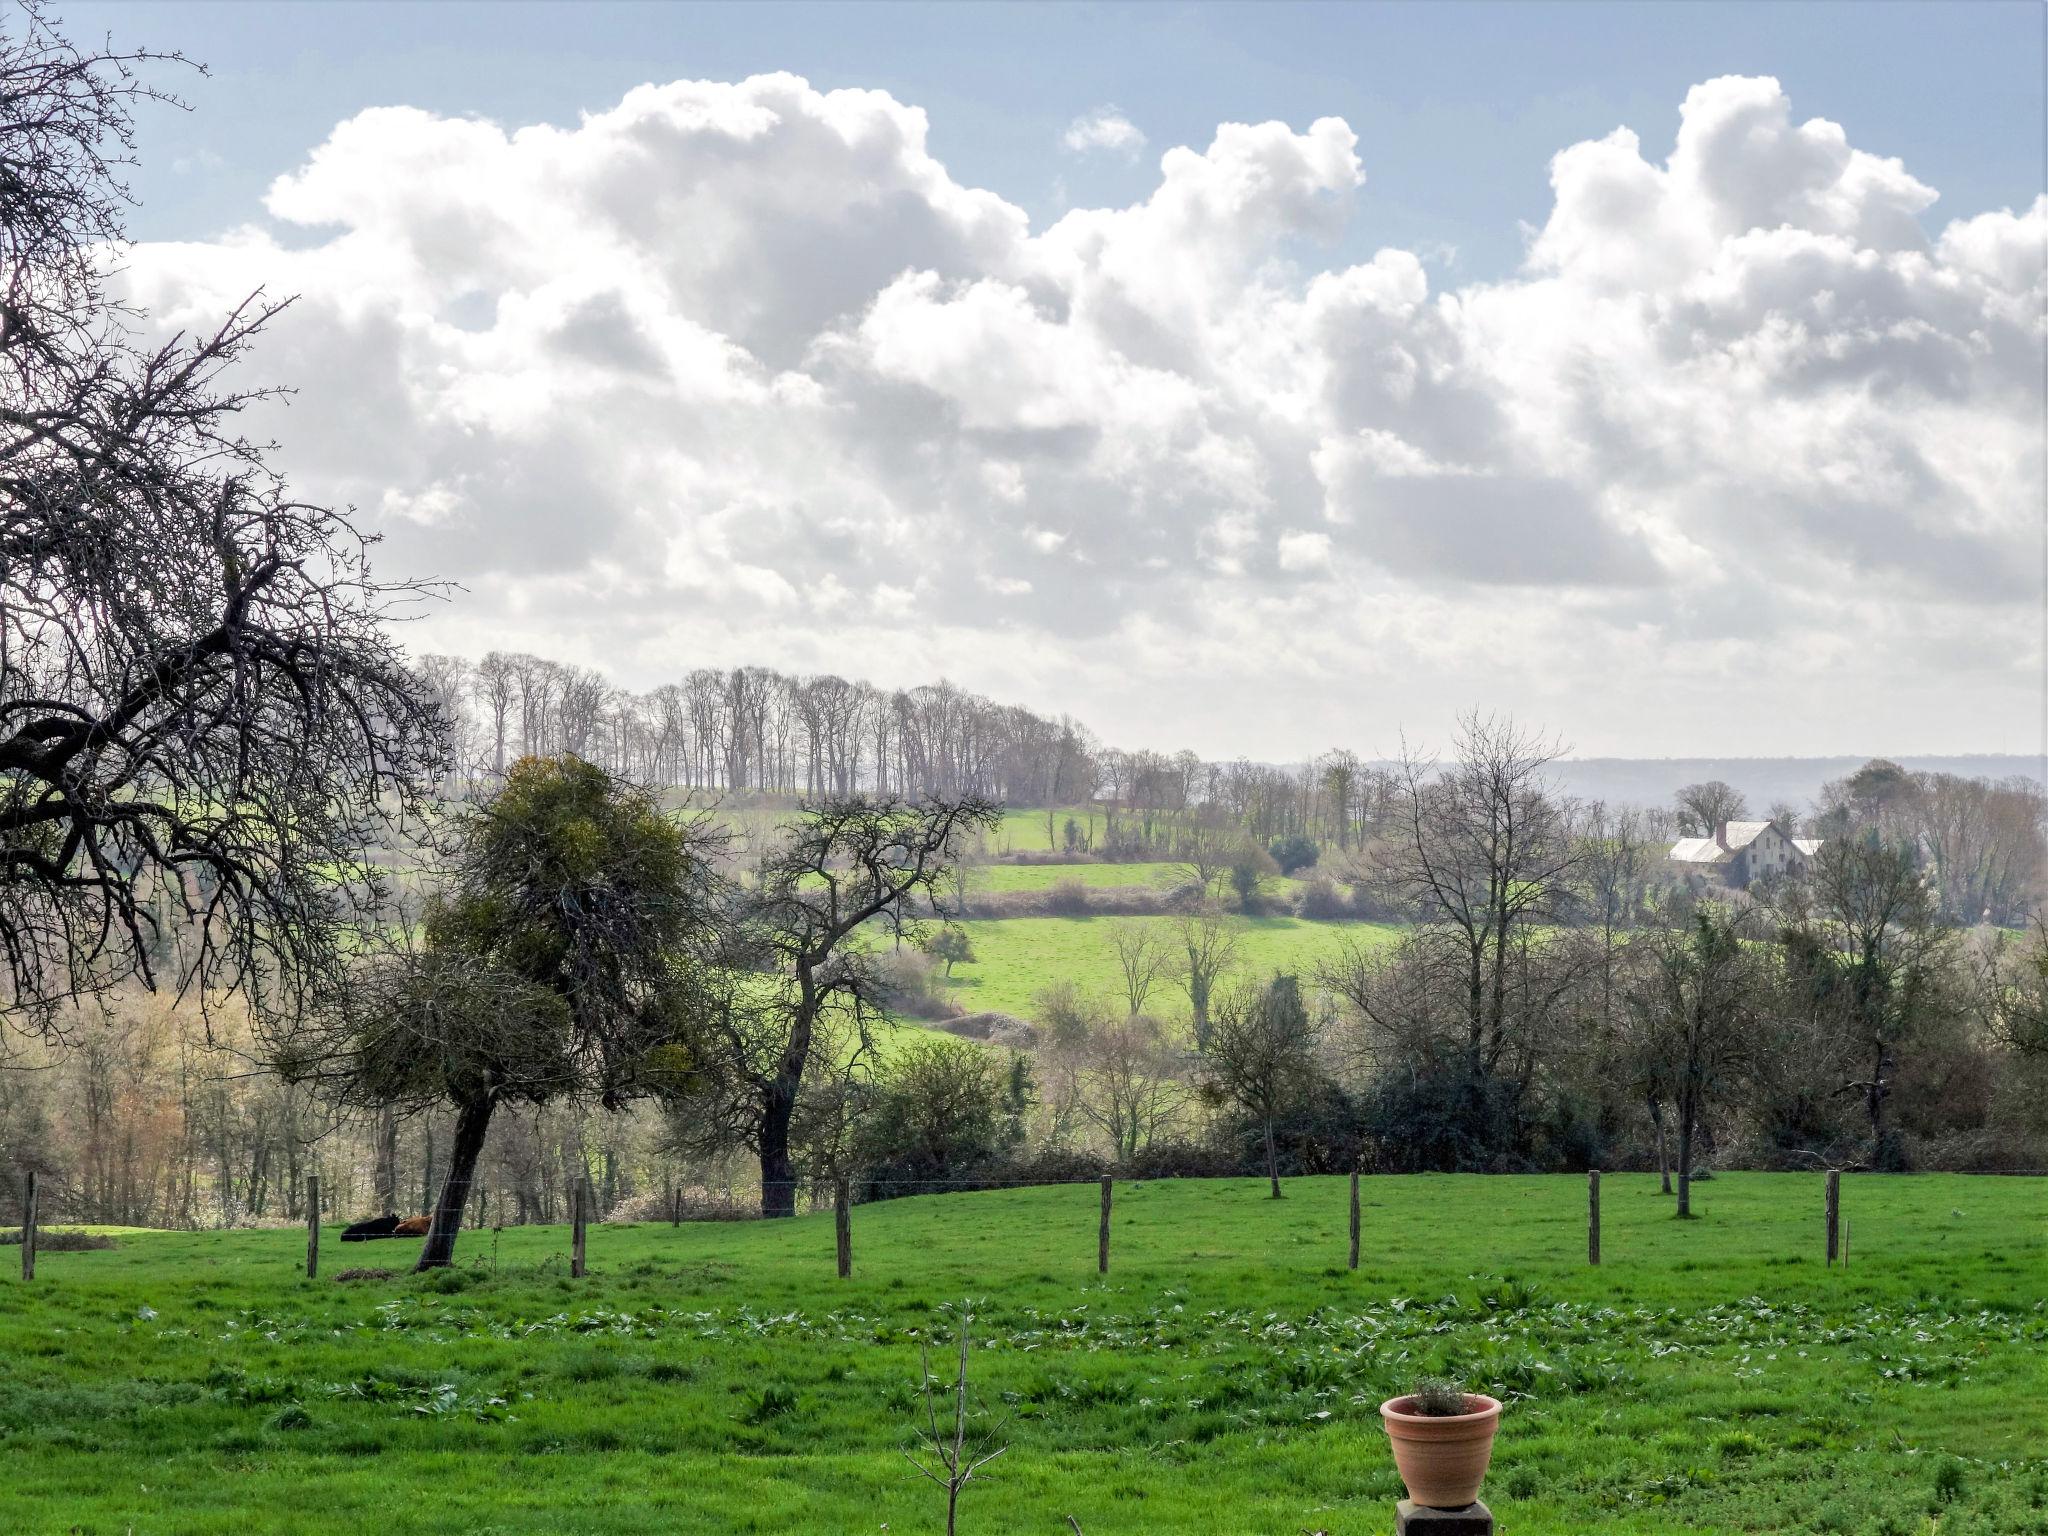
pixel 1740 852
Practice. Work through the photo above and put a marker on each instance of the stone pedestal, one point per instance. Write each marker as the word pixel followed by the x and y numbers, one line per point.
pixel 1412 1519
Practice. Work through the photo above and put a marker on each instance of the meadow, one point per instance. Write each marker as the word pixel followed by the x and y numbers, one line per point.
pixel 1711 1376
pixel 1018 957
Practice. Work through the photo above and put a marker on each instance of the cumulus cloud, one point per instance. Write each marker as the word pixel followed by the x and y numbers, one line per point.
pixel 1103 129
pixel 1741 458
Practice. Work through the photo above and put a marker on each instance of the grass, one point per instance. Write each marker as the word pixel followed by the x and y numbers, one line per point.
pixel 1022 830
pixel 1016 957
pixel 1710 1377
pixel 1159 876
pixel 1043 877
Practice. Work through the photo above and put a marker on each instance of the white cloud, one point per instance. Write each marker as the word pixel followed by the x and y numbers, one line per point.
pixel 1105 128
pixel 1299 551
pixel 738 372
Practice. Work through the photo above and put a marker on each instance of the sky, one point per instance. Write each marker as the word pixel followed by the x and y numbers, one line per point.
pixel 1252 379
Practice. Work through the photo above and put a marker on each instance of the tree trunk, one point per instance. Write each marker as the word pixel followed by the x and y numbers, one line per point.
pixel 471 1121
pixel 387 1161
pixel 1272 1160
pixel 778 1179
pixel 1686 1111
pixel 1663 1147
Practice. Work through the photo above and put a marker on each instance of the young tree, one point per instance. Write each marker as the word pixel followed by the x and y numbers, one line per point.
pixel 951 945
pixel 1206 943
pixel 203 720
pixel 1696 998
pixel 845 873
pixel 1139 957
pixel 567 957
pixel 1261 1056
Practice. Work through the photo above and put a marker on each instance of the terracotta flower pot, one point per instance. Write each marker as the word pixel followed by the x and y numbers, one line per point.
pixel 1442 1459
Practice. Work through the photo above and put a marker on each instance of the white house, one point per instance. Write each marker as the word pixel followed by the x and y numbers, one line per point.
pixel 1743 851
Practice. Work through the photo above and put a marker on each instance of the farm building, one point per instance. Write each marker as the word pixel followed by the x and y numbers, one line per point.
pixel 1740 852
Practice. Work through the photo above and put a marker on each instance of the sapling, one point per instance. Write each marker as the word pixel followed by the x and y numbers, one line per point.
pixel 956 1457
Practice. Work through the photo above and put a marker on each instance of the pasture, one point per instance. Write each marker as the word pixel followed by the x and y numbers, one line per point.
pixel 1016 957
pixel 1711 1376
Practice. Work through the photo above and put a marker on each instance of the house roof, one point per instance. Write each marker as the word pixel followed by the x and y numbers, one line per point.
pixel 1807 845
pixel 1699 850
pixel 1741 834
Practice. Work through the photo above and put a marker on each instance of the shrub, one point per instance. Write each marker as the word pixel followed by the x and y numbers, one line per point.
pixel 1293 852
pixel 1325 900
pixel 910 985
pixel 1067 898
pixel 362 1274
pixel 943 1112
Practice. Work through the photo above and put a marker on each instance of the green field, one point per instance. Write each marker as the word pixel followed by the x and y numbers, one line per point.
pixel 1043 877
pixel 1159 877
pixel 1711 1376
pixel 1017 957
pixel 1023 831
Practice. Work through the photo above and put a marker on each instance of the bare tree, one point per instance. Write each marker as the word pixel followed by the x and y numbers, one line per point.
pixel 1488 855
pixel 1702 808
pixel 1205 847
pixel 1262 1056
pixel 1130 1085
pixel 796 947
pixel 203 720
pixel 1698 993
pixel 1140 957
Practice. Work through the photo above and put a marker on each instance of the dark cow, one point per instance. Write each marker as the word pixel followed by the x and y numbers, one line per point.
pixel 386 1225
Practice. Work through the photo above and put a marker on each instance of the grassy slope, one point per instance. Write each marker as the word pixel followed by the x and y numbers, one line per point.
pixel 1711 1377
pixel 1016 957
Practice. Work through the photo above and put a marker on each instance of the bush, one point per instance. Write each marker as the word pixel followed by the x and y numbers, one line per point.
pixel 1293 852
pixel 910 985
pixel 943 1113
pixel 1067 898
pixel 1180 1160
pixel 1440 1120
pixel 1325 900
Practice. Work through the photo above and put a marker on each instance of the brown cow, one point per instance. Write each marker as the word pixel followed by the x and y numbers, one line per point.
pixel 413 1226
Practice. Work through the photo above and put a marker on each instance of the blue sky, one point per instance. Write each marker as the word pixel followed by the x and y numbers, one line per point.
pixel 1458 106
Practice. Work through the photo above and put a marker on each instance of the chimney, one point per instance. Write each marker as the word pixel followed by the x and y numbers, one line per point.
pixel 1721 836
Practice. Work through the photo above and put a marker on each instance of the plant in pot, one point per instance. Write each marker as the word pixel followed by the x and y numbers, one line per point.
pixel 1442 1437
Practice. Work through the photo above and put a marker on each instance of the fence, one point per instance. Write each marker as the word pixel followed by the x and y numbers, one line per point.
pixel 38 1206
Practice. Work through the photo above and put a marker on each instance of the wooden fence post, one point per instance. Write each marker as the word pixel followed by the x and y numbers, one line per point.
pixel 1834 1208
pixel 1593 1216
pixel 675 1206
pixel 312 1226
pixel 578 1200
pixel 842 1227
pixel 1354 1218
pixel 1102 1240
pixel 28 1229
